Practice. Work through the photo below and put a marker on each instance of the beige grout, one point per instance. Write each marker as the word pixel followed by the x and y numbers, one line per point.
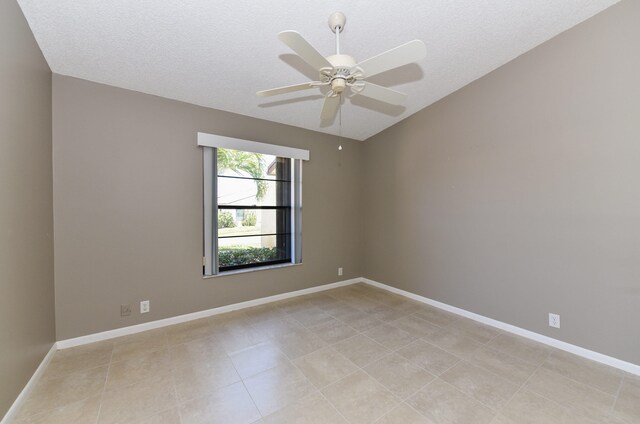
pixel 173 382
pixel 564 407
pixel 245 388
pixel 359 368
pixel 485 344
pixel 104 387
pixel 615 400
pixel 334 407
pixel 522 387
pixel 349 301
pixel 318 390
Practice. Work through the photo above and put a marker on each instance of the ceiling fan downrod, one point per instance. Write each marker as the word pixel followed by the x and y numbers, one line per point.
pixel 336 23
pixel 341 71
pixel 339 76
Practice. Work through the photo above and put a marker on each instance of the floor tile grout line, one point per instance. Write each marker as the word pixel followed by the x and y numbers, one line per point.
pixel 104 387
pixel 438 347
pixel 367 311
pixel 495 349
pixel 485 344
pixel 320 391
pixel 467 361
pixel 175 387
pixel 460 360
pixel 450 368
pixel 615 400
pixel 360 369
pixel 494 410
pixel 520 388
pixel 550 351
pixel 550 370
pixel 228 356
pixel 49 410
pixel 541 365
pixel 334 407
pixel 251 397
pixel 245 387
pixel 581 383
pixel 523 387
pixel 411 406
pixel 170 371
pixel 390 351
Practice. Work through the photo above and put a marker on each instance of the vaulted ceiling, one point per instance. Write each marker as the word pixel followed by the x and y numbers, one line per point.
pixel 218 53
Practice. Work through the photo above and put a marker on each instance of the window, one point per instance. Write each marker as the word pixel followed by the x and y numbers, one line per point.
pixel 252 204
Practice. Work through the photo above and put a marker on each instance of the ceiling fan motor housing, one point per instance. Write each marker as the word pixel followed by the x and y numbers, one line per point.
pixel 342 63
pixel 341 72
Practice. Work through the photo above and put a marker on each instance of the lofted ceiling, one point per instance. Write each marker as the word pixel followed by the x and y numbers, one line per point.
pixel 218 53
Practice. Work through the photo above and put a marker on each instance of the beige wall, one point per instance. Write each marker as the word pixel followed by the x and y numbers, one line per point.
pixel 128 208
pixel 26 223
pixel 514 197
pixel 519 195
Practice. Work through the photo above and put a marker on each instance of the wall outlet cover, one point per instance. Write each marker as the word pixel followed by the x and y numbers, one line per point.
pixel 125 310
pixel 144 306
pixel 554 320
pixel 339 271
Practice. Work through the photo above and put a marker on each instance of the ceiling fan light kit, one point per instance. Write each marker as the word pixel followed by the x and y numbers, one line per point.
pixel 341 73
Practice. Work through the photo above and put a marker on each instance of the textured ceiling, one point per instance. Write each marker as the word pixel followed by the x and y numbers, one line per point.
pixel 218 53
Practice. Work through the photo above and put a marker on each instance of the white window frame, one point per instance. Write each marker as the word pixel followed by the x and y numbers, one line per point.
pixel 211 142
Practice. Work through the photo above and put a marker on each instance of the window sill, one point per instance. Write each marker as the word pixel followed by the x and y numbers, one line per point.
pixel 244 271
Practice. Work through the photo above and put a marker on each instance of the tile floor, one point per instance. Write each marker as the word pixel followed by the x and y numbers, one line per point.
pixel 355 355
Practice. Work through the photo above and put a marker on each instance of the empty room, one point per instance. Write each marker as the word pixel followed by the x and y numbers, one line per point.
pixel 365 212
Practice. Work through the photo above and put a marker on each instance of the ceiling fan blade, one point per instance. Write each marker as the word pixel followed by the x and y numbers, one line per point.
pixel 329 108
pixel 306 51
pixel 401 55
pixel 383 94
pixel 287 89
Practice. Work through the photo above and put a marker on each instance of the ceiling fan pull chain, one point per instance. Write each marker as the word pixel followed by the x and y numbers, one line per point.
pixel 340 122
pixel 341 72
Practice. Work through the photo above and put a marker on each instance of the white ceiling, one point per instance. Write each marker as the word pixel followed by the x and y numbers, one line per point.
pixel 218 53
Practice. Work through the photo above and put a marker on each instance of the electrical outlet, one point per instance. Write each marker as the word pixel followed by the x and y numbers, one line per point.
pixel 339 271
pixel 554 320
pixel 125 310
pixel 144 306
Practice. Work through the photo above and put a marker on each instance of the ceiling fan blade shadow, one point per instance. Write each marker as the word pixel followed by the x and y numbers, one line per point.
pixel 329 109
pixel 382 94
pixel 306 51
pixel 375 105
pixel 286 89
pixel 404 54
pixel 299 65
pixel 290 101
pixel 402 75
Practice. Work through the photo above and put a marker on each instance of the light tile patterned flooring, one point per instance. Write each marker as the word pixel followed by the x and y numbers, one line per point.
pixel 355 355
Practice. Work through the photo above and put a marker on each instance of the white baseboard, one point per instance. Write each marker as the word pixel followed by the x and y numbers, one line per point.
pixel 105 335
pixel 577 350
pixel 8 417
pixel 124 331
pixel 567 347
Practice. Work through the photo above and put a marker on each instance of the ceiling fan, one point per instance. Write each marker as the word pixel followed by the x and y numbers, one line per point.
pixel 341 71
